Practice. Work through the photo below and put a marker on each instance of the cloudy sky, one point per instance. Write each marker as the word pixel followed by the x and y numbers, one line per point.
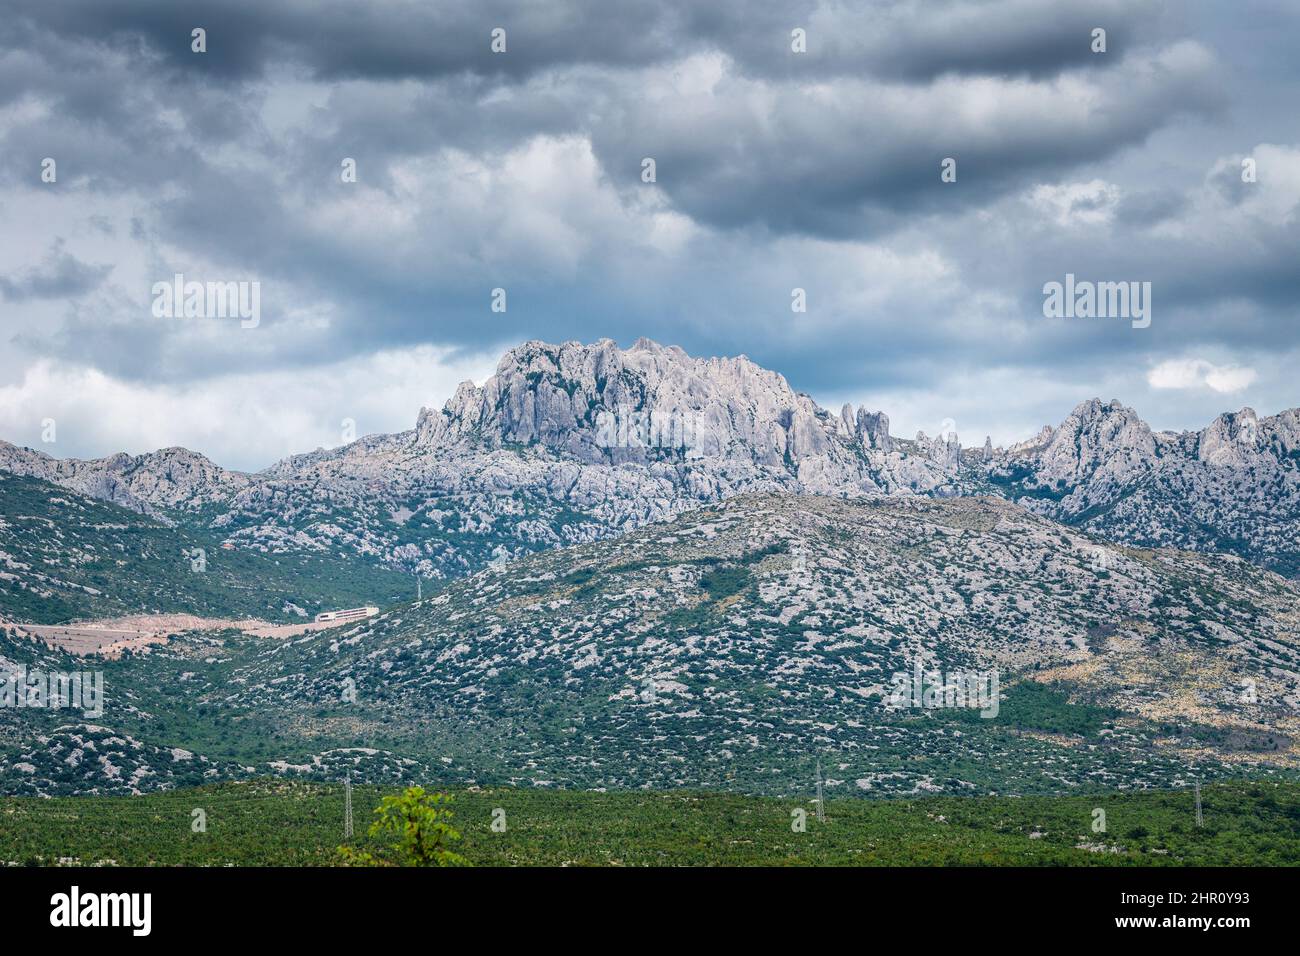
pixel 522 170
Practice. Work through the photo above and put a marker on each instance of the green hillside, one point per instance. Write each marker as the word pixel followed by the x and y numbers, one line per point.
pixel 730 649
pixel 66 556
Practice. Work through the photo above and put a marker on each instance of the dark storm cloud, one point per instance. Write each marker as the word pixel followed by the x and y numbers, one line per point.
pixel 108 115
pixel 851 164
pixel 1150 207
pixel 228 166
pixel 336 39
pixel 917 41
pixel 60 276
pixel 842 162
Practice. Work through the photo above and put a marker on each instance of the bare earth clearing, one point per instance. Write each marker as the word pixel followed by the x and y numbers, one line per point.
pixel 110 637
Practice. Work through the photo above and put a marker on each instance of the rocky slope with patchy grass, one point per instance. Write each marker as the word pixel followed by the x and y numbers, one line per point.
pixel 739 644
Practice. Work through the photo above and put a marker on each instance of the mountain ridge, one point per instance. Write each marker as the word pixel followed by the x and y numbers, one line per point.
pixel 573 442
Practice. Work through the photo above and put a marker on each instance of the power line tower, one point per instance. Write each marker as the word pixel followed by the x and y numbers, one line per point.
pixel 821 801
pixel 347 806
pixel 1196 786
pixel 419 588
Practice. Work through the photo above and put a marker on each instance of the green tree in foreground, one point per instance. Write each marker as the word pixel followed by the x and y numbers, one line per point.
pixel 418 820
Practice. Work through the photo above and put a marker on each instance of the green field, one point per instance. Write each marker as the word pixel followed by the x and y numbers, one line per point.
pixel 279 823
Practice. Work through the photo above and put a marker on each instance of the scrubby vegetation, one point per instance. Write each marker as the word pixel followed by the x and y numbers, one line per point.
pixel 278 823
pixel 65 556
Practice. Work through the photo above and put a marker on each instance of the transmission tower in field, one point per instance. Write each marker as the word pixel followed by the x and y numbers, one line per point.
pixel 821 799
pixel 1196 786
pixel 347 806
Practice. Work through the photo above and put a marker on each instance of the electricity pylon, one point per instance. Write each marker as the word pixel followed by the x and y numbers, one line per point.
pixel 347 806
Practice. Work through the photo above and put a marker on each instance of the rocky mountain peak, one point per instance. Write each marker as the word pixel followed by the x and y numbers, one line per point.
pixel 601 403
pixel 1033 445
pixel 1231 440
pixel 149 484
pixel 1097 438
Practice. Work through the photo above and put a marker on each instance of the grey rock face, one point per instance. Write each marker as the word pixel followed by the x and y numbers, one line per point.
pixel 873 430
pixel 152 484
pixel 601 404
pixel 1233 486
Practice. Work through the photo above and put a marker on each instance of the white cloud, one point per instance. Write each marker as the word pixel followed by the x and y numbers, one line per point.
pixel 1072 204
pixel 1199 373
pixel 244 421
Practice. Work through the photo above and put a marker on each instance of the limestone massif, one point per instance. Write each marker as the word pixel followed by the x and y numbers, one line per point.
pixel 572 442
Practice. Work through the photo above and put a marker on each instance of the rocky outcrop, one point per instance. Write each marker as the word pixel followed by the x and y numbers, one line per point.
pixel 152 484
pixel 1233 486
pixel 943 450
pixel 601 404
